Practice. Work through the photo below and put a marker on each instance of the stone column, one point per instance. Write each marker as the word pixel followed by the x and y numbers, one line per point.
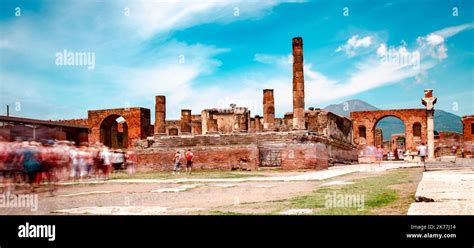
pixel 429 101
pixel 252 125
pixel 257 124
pixel 430 129
pixel 185 121
pixel 298 85
pixel 268 110
pixel 160 115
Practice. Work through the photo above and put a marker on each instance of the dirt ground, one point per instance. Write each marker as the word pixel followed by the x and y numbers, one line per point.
pixel 188 197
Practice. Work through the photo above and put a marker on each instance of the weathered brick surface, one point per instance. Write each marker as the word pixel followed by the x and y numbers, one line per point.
pixel 305 156
pixel 217 157
pixel 82 122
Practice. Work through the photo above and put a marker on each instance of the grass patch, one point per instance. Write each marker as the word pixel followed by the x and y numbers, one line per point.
pixel 377 192
pixel 226 213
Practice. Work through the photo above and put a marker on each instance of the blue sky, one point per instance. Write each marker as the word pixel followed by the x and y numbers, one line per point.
pixel 204 54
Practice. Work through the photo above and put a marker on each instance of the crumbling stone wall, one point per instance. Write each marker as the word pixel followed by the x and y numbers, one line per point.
pixel 329 124
pixel 82 122
pixel 444 142
pixel 235 119
pixel 289 150
pixel 196 125
pixel 173 127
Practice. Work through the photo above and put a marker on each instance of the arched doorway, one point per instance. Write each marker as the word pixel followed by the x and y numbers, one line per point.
pixel 114 132
pixel 389 133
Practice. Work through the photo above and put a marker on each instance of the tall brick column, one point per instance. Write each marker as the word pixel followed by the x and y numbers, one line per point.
pixel 298 85
pixel 185 121
pixel 268 110
pixel 160 115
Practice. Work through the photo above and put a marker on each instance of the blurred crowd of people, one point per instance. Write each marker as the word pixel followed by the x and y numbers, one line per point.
pixel 33 162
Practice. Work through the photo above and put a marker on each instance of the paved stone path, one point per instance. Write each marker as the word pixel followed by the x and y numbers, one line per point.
pixel 448 191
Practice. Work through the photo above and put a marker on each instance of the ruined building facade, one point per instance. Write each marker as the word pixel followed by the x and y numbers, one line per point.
pixel 231 138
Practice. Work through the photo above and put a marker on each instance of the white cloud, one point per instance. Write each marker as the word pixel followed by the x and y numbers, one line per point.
pixel 382 50
pixel 434 43
pixel 152 17
pixel 355 43
pixel 451 31
pixel 434 39
pixel 281 61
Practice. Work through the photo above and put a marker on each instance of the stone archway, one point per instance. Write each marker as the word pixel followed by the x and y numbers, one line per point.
pixel 377 127
pixel 114 132
pixel 411 118
pixel 137 125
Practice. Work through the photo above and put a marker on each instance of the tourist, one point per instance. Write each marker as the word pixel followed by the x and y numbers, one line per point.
pixel 379 153
pixel 117 159
pixel 422 151
pixel 74 154
pixel 131 160
pixel 189 161
pixel 105 157
pixel 454 150
pixel 31 162
pixel 177 162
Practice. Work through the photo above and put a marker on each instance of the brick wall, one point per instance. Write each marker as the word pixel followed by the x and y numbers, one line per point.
pixel 298 150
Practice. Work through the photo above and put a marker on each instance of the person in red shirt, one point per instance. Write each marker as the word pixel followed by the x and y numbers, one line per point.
pixel 189 161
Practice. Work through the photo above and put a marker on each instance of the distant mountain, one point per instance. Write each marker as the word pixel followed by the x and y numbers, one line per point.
pixel 345 108
pixel 444 121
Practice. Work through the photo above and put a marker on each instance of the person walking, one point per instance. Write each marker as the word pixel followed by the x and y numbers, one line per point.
pixel 422 152
pixel 106 157
pixel 379 153
pixel 131 160
pixel 189 161
pixel 177 162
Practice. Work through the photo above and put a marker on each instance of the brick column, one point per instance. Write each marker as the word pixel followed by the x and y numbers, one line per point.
pixel 160 115
pixel 298 85
pixel 268 110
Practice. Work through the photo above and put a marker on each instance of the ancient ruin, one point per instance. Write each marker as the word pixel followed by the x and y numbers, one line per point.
pixel 231 138
pixel 364 123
